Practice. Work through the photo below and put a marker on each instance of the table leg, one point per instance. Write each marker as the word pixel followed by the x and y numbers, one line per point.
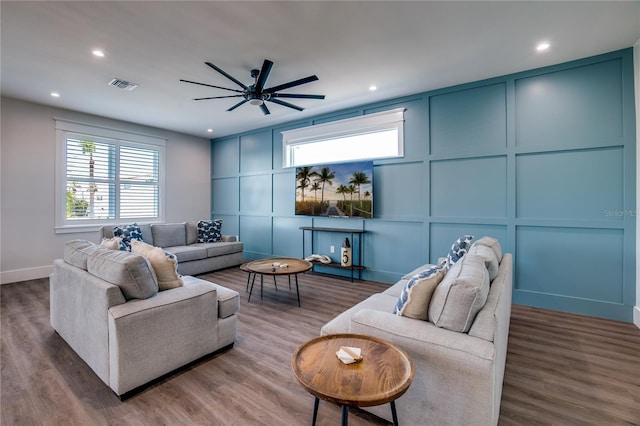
pixel 251 288
pixel 315 411
pixel 274 282
pixel 394 415
pixel 248 281
pixel 297 290
pixel 345 415
pixel 261 283
pixel 289 282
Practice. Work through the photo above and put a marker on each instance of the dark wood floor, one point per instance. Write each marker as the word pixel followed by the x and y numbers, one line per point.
pixel 561 369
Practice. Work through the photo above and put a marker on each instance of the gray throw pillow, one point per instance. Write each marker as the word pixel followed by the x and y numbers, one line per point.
pixel 131 272
pixel 460 295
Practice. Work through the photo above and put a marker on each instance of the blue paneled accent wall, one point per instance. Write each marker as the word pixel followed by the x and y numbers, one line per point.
pixel 542 160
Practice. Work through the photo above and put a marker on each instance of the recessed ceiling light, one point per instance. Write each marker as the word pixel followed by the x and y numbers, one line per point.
pixel 543 46
pixel 209 130
pixel 373 88
pixel 98 53
pixel 55 94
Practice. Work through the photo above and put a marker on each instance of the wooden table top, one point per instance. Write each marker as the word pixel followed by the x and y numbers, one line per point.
pixel 383 375
pixel 272 266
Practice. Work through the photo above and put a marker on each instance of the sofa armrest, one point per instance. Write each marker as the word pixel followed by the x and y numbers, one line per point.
pixel 151 337
pixel 230 238
pixel 419 337
pixel 455 374
pixel 78 305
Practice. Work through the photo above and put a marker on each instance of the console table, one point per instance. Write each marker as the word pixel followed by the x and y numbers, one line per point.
pixel 356 265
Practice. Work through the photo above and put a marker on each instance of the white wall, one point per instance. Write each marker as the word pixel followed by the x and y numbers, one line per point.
pixel 636 69
pixel 28 242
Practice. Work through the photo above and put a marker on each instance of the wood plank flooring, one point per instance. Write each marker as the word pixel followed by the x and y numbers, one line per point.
pixel 562 369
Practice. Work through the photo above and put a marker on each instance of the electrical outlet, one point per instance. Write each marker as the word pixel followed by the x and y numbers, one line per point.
pixel 332 249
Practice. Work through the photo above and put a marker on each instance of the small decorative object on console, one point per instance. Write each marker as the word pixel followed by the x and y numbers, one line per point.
pixel 345 258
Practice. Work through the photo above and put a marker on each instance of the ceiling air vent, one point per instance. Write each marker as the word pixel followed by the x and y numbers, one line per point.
pixel 122 84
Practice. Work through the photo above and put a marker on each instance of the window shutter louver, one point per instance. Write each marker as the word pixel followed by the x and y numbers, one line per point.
pixel 111 180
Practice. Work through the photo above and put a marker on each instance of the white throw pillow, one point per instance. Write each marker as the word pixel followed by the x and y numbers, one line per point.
pixel 164 264
pixel 416 295
pixel 111 243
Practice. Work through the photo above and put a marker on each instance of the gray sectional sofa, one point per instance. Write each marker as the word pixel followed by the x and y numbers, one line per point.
pixel 106 305
pixel 458 374
pixel 181 239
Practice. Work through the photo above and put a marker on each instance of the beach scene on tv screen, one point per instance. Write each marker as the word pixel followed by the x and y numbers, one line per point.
pixel 343 190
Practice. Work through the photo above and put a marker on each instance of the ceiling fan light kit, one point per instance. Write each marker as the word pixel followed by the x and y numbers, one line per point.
pixel 255 93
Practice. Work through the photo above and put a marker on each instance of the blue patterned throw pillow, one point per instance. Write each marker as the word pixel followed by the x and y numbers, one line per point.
pixel 209 231
pixel 127 233
pixel 459 249
pixel 416 294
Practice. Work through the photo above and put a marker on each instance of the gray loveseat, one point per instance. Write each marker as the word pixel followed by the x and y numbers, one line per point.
pixel 106 305
pixel 458 375
pixel 181 239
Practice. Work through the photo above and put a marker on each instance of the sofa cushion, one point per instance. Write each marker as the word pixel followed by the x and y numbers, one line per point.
pixel 192 231
pixel 169 234
pixel 209 231
pixel 416 271
pixel 489 257
pixel 341 323
pixel 228 300
pixel 76 252
pixel 188 253
pixel 460 295
pixel 111 243
pixel 396 289
pixel 493 244
pixel 414 300
pixel 129 271
pixel 127 233
pixel 459 248
pixel 164 264
pixel 221 249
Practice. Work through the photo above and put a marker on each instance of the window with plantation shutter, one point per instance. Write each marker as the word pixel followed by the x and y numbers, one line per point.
pixel 109 177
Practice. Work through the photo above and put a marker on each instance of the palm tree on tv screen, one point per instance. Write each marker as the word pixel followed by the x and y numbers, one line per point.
pixel 325 176
pixel 303 175
pixel 358 179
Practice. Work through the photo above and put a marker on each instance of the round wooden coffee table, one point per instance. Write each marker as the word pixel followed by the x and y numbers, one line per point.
pixel 383 375
pixel 276 266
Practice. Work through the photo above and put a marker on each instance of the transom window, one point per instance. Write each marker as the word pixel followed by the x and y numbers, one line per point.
pixel 369 137
pixel 106 179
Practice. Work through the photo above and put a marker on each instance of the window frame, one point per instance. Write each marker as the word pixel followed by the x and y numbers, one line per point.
pixel 365 124
pixel 66 129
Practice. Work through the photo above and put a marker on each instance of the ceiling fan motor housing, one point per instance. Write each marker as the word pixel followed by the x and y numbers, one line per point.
pixel 256 94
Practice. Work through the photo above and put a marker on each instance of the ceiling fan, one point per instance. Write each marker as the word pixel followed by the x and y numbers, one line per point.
pixel 255 93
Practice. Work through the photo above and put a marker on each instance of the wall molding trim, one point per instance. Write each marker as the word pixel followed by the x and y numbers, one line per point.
pixel 17 275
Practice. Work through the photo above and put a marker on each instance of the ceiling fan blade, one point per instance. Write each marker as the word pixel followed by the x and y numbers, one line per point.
pixel 217 97
pixel 291 84
pixel 237 105
pixel 262 77
pixel 226 75
pixel 297 96
pixel 287 104
pixel 210 85
pixel 264 109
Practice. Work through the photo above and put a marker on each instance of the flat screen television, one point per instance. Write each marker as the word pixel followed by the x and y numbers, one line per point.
pixel 340 190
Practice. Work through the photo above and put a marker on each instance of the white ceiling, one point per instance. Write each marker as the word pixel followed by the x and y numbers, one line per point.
pixel 402 47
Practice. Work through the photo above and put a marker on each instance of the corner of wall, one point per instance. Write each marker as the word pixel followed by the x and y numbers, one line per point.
pixel 636 73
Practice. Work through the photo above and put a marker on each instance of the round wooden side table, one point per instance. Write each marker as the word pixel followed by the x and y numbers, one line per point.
pixel 382 376
pixel 276 266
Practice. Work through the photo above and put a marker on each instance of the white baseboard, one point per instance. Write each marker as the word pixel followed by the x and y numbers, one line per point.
pixel 636 316
pixel 17 275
